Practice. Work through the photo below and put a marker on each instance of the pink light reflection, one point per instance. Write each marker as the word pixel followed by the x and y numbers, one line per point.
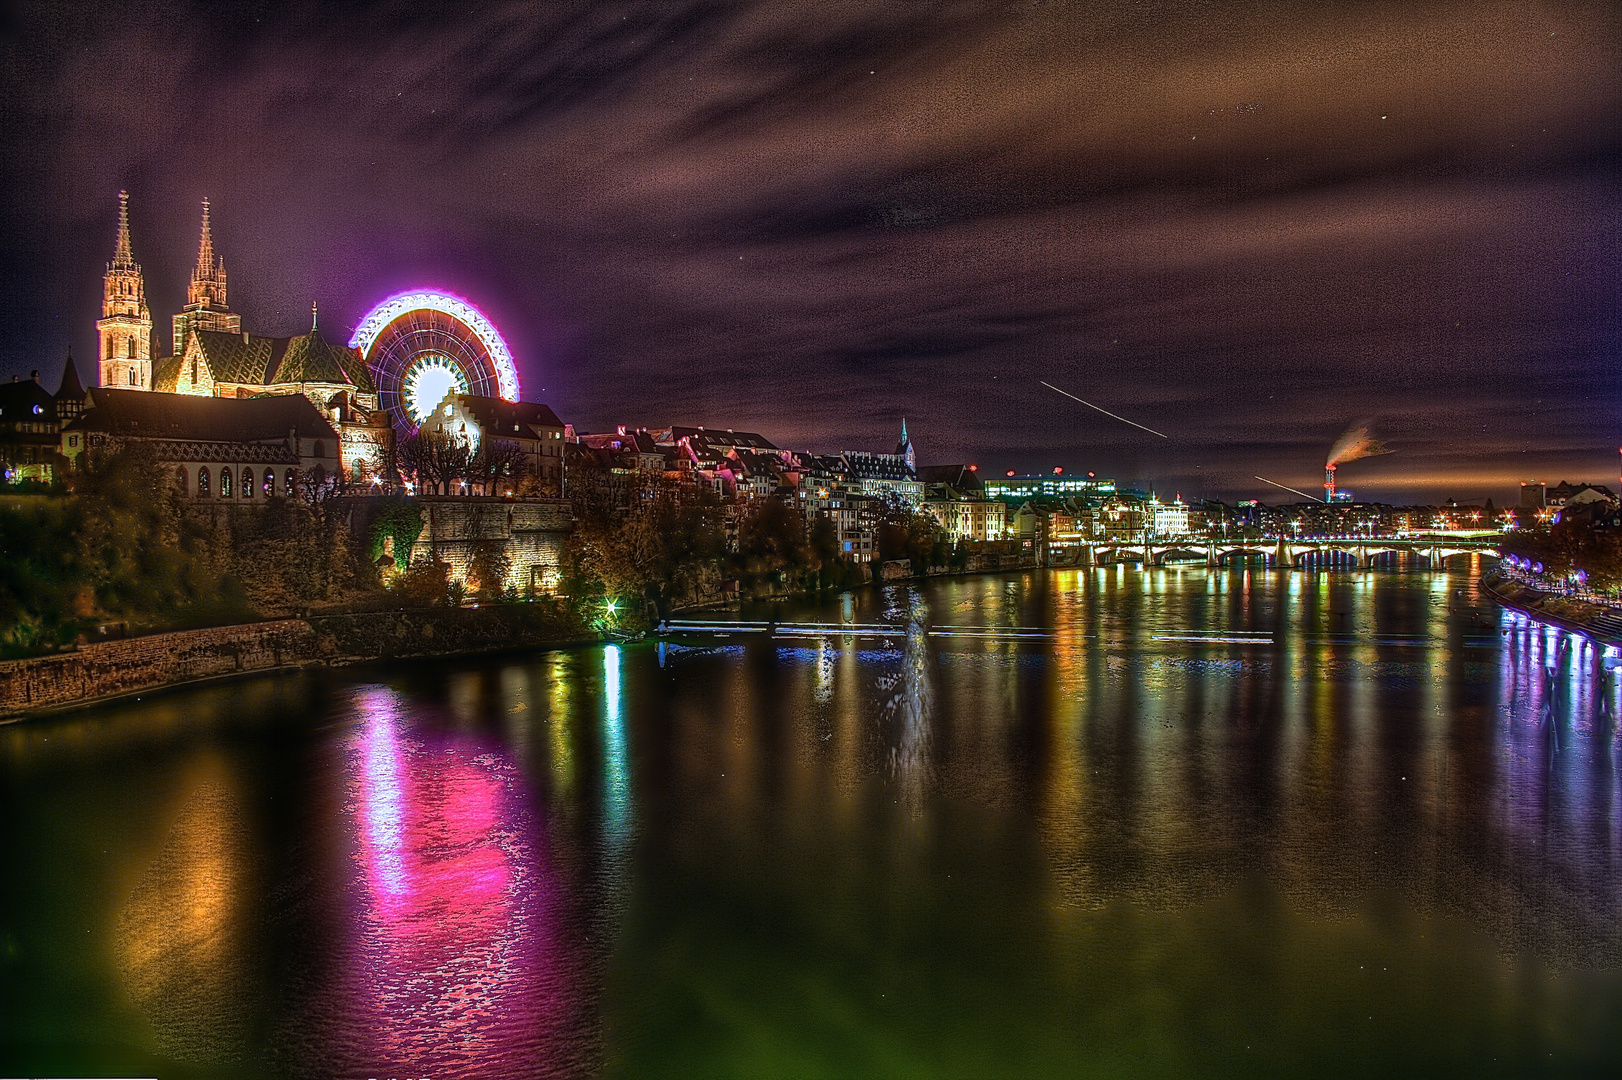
pixel 456 964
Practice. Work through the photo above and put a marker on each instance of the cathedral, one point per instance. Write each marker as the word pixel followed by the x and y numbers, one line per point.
pixel 212 355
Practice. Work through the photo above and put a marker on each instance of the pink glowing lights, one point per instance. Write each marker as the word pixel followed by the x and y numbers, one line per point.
pixel 455 966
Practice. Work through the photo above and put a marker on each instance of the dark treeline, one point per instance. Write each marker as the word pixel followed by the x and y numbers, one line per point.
pixel 124 545
pixel 662 543
pixel 1589 543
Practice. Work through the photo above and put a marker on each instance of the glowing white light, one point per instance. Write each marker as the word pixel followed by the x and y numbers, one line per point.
pixel 457 308
pixel 430 378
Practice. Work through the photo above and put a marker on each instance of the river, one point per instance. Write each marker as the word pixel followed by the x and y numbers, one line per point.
pixel 1201 823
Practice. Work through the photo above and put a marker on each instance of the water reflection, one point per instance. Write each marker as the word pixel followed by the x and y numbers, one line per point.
pixel 182 941
pixel 1231 823
pixel 456 962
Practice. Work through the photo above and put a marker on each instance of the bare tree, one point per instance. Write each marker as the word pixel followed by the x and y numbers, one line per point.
pixel 497 462
pixel 318 487
pixel 434 460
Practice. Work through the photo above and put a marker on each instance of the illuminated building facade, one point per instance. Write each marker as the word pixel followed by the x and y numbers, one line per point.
pixel 214 357
pixel 1019 488
pixel 220 449
pixel 125 326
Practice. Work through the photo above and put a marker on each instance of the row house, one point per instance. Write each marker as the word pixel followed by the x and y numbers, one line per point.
pixel 531 428
pixel 956 497
pixel 882 476
pixel 31 420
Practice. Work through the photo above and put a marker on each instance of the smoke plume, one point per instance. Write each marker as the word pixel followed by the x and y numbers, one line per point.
pixel 1354 444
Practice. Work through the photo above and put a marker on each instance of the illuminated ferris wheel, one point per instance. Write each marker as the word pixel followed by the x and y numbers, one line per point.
pixel 422 345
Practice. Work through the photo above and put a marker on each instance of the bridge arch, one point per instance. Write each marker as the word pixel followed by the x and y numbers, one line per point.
pixel 1395 558
pixel 1179 554
pixel 1245 555
pixel 1327 559
pixel 1461 558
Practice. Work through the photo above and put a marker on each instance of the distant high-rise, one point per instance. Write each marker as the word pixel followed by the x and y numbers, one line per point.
pixel 125 326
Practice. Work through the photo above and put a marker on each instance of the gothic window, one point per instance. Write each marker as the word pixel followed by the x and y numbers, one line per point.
pixel 133 380
pixel 202 482
pixel 129 349
pixel 225 483
pixel 194 371
pixel 270 483
pixel 247 483
pixel 181 477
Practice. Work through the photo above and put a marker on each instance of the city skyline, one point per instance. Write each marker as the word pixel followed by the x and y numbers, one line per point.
pixel 1249 235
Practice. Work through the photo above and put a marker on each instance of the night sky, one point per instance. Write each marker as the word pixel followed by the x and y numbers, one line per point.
pixel 1246 226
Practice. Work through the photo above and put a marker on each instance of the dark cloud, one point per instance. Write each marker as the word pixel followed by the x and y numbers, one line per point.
pixel 1246 227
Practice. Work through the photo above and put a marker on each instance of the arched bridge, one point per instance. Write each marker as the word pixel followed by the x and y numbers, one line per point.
pixel 1318 553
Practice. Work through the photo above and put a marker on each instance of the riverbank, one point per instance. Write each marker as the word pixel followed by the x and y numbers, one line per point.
pixel 1599 621
pixel 109 670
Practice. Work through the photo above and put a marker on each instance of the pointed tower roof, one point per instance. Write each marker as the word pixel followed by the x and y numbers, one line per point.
pixel 206 260
pixel 71 387
pixel 123 255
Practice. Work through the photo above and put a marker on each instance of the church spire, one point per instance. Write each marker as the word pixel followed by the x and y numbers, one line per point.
pixel 208 264
pixel 206 307
pixel 123 256
pixel 208 278
pixel 125 326
pixel 205 251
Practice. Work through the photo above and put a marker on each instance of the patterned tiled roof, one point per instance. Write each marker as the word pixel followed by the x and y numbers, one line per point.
pixel 240 358
pixel 262 361
pixel 311 358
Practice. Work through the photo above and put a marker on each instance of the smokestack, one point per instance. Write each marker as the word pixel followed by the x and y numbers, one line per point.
pixel 1329 483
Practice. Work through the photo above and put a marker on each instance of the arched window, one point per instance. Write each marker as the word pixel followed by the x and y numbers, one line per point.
pixel 202 482
pixel 320 448
pixel 194 371
pixel 109 348
pixel 270 483
pixel 292 482
pixel 225 483
pixel 130 349
pixel 247 483
pixel 133 380
pixel 181 479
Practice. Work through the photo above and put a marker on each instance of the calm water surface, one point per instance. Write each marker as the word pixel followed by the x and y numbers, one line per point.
pixel 1228 823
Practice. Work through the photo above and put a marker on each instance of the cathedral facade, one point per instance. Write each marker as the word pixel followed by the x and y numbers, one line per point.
pixel 212 356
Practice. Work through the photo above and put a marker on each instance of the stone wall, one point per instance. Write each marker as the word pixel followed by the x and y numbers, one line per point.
pixel 531 531
pixel 112 668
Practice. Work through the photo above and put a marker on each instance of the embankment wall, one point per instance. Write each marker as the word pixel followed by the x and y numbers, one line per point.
pixel 111 669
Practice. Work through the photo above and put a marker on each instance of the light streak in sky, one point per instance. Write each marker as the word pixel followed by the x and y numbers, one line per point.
pixel 1106 412
pixel 1286 487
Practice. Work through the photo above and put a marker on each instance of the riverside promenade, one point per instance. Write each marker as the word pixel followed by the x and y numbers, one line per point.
pixel 1583 613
